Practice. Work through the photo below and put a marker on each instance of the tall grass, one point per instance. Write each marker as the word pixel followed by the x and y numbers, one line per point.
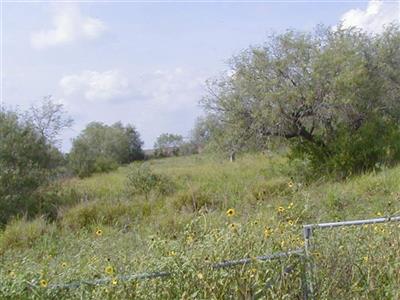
pixel 187 230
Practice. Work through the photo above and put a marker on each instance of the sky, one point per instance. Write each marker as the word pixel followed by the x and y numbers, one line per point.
pixel 146 63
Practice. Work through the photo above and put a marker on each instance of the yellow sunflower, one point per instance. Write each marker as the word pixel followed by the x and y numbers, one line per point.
pixel 280 209
pixel 109 270
pixel 230 212
pixel 43 283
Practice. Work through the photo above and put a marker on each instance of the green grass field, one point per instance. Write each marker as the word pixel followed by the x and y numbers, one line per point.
pixel 212 210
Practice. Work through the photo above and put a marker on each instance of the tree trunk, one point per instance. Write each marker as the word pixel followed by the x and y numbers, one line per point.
pixel 232 156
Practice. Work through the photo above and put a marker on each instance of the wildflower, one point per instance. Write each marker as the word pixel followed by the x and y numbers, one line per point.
pixel 290 184
pixel 230 212
pixel 253 271
pixel 109 270
pixel 189 239
pixel 300 241
pixel 291 204
pixel 200 276
pixel 290 222
pixel 99 232
pixel 12 274
pixel 114 281
pixel 365 258
pixel 317 254
pixel 172 253
pixel 267 232
pixel 64 264
pixel 379 214
pixel 43 283
pixel 280 209
pixel 232 226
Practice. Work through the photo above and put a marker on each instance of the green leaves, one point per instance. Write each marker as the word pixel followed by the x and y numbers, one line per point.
pixel 101 148
pixel 317 89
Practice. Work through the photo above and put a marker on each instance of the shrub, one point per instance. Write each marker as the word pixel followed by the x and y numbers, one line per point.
pixel 86 214
pixel 193 199
pixel 23 233
pixel 276 187
pixel 375 143
pixel 141 180
pixel 101 148
pixel 25 163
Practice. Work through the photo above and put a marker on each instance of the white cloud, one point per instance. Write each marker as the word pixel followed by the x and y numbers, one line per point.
pixel 163 100
pixel 171 90
pixel 374 17
pixel 95 86
pixel 69 26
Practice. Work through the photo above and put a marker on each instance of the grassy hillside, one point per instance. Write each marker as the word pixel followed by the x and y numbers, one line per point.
pixel 185 228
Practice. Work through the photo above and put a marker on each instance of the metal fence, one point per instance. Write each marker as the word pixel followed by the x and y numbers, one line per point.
pixel 308 234
pixel 308 284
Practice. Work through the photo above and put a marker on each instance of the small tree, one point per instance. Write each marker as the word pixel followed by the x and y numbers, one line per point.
pixel 49 119
pixel 25 163
pixel 168 144
pixel 141 180
pixel 101 148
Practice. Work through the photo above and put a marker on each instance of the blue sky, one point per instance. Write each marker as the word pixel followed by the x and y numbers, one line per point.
pixel 146 63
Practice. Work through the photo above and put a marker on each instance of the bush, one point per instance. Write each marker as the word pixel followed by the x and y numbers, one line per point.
pixel 87 214
pixel 374 144
pixel 102 148
pixel 23 233
pixel 141 180
pixel 275 187
pixel 25 162
pixel 193 200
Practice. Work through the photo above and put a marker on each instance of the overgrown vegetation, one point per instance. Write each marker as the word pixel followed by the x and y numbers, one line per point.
pixel 327 101
pixel 141 180
pixel 26 164
pixel 102 148
pixel 111 234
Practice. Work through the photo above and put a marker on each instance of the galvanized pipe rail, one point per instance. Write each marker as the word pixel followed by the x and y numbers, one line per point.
pixel 308 233
pixel 304 252
pixel 353 223
pixel 140 276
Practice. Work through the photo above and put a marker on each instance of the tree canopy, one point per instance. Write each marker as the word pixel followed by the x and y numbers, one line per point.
pixel 102 147
pixel 309 88
pixel 25 161
pixel 168 144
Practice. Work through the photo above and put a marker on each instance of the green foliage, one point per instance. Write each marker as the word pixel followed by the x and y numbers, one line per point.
pixel 194 199
pixel 88 214
pixel 174 234
pixel 23 233
pixel 24 166
pixel 141 180
pixel 324 90
pixel 168 144
pixel 376 142
pixel 48 119
pixel 102 148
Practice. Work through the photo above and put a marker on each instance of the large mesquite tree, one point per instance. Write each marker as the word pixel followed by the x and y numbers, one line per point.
pixel 317 89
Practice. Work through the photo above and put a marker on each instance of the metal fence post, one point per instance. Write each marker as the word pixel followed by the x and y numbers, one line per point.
pixel 309 287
